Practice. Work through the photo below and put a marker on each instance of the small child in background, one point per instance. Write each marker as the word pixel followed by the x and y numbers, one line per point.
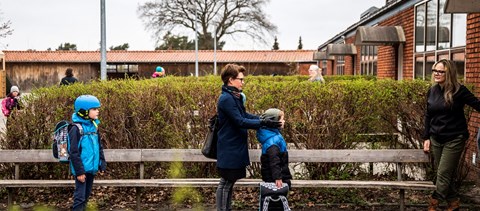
pixel 274 157
pixel 11 101
pixel 159 72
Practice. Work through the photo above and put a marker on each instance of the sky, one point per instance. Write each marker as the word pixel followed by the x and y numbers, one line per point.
pixel 43 24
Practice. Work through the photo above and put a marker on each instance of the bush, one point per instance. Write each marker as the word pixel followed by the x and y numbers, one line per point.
pixel 172 112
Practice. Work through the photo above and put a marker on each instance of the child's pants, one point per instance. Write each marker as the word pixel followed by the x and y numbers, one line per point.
pixel 82 192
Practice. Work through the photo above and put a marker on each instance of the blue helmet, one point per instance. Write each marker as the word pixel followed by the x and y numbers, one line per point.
pixel 84 103
pixel 159 69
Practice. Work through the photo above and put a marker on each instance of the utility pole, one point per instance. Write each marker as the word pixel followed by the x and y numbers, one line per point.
pixel 103 45
pixel 196 43
pixel 214 50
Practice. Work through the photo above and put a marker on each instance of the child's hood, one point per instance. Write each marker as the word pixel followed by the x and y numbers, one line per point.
pixel 263 134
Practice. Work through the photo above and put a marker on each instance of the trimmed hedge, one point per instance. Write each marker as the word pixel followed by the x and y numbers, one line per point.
pixel 172 112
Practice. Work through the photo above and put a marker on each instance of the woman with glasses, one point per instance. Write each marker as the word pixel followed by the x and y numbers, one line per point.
pixel 446 130
pixel 232 146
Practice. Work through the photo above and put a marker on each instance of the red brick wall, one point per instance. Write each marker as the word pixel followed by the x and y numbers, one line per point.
pixel 348 58
pixel 386 54
pixel 330 67
pixel 386 62
pixel 472 63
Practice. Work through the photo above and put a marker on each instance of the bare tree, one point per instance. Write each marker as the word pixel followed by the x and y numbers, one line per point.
pixel 5 29
pixel 227 17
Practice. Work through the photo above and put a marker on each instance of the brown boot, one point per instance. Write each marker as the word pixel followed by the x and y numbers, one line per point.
pixel 432 206
pixel 454 205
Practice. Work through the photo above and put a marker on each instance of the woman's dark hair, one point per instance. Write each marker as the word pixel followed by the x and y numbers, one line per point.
pixel 69 72
pixel 231 71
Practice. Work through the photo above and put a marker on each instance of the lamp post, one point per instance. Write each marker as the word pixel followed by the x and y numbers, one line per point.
pixel 196 42
pixel 103 60
pixel 214 50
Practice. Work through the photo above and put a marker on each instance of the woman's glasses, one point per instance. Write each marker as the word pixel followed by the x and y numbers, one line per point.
pixel 439 72
pixel 241 79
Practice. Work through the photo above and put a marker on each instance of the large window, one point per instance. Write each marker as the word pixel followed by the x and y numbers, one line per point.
pixel 459 30
pixel 340 65
pixel 122 68
pixel 368 63
pixel 420 28
pixel 438 35
pixel 444 23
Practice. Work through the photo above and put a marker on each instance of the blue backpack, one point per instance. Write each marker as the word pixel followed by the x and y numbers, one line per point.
pixel 61 141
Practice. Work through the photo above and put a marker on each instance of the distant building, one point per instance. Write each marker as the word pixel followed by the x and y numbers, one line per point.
pixel 30 69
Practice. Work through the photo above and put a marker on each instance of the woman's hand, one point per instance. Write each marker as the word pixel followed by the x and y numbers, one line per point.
pixel 426 146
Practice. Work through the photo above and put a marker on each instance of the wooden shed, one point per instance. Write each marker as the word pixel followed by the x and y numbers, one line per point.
pixel 30 69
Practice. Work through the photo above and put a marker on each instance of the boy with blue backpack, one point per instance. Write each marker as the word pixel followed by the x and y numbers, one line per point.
pixel 85 148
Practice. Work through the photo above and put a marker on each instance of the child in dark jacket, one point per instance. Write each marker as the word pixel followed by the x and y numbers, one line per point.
pixel 274 157
pixel 86 151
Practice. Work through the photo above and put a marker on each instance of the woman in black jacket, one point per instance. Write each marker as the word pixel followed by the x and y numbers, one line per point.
pixel 446 129
pixel 232 146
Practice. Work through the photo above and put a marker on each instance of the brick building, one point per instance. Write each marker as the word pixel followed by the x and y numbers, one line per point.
pixel 404 38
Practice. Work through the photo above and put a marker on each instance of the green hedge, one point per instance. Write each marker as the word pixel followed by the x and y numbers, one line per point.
pixel 160 113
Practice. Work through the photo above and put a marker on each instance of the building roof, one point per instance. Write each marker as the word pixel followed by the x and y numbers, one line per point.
pixel 387 10
pixel 165 56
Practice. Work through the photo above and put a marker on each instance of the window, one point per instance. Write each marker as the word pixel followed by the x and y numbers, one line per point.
pixel 122 68
pixel 459 30
pixel 420 28
pixel 431 25
pixel 459 59
pixel 340 65
pixel 419 67
pixel 368 63
pixel 444 22
pixel 429 62
pixel 438 35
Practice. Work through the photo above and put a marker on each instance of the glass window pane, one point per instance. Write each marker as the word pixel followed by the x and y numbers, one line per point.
pixel 133 68
pixel 459 59
pixel 374 68
pixel 459 35
pixel 428 67
pixel 444 21
pixel 419 67
pixel 420 28
pixel 122 68
pixel 431 25
pixel 111 68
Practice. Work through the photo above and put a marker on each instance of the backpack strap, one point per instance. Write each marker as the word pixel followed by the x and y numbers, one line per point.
pixel 266 202
pixel 79 126
pixel 285 203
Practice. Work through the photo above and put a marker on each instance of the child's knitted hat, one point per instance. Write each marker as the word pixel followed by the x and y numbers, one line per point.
pixel 272 113
pixel 14 89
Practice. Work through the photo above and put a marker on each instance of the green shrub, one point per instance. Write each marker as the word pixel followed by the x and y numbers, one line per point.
pixel 172 112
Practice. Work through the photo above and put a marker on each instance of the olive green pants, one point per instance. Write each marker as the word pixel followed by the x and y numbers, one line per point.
pixel 446 157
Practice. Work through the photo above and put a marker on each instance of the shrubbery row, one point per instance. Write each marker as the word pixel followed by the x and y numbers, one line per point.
pixel 172 112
